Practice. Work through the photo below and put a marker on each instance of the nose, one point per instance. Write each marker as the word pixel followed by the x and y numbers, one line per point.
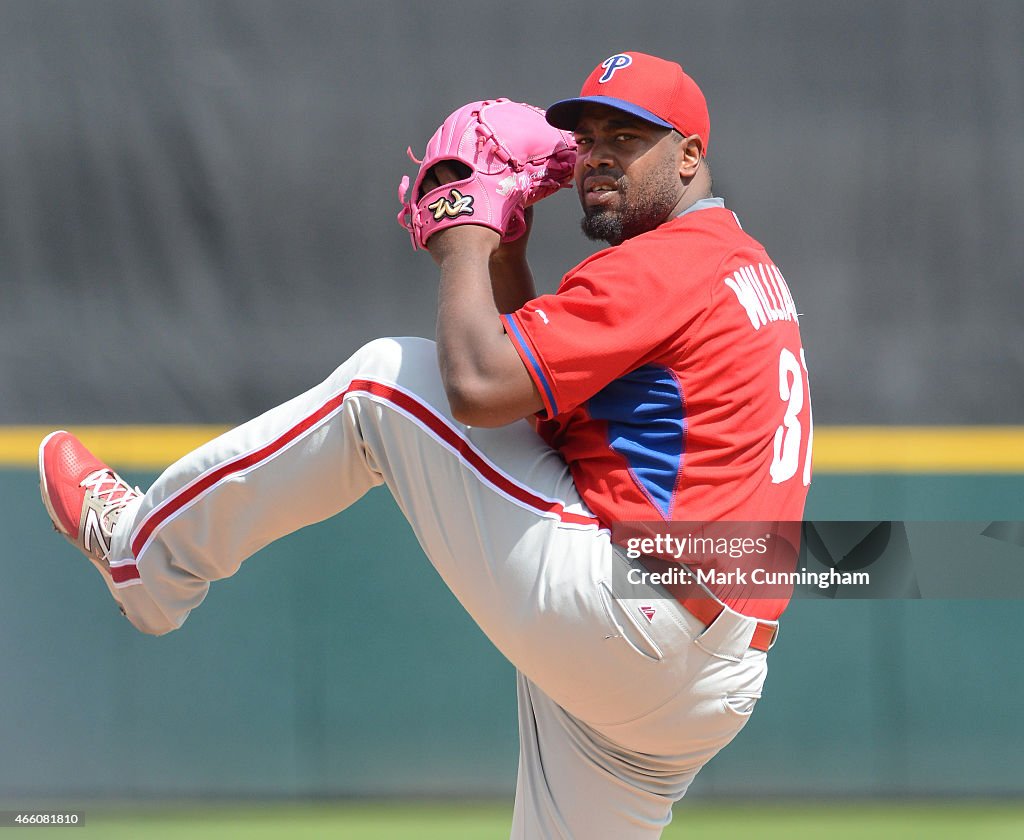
pixel 598 155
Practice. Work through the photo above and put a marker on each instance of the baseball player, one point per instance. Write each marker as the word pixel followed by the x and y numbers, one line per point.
pixel 664 381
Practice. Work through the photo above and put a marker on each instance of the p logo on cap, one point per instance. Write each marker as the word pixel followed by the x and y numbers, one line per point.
pixel 610 65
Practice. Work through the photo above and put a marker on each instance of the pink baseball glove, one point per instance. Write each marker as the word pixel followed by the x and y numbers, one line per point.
pixel 514 159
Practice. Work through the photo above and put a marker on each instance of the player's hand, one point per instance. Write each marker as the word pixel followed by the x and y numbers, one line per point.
pixel 448 171
pixel 443 173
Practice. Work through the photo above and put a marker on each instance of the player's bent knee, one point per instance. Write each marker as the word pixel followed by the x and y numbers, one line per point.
pixel 146 617
pixel 383 358
pixel 153 628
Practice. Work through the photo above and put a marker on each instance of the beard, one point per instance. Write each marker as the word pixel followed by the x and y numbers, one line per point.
pixel 642 207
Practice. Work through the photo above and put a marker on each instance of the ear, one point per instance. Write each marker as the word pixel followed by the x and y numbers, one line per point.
pixel 691 151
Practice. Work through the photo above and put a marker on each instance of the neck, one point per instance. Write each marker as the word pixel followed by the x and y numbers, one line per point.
pixel 694 189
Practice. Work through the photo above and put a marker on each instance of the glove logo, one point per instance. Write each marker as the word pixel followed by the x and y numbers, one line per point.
pixel 455 205
pixel 521 181
pixel 610 65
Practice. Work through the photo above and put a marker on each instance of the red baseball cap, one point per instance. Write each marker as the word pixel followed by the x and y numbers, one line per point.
pixel 648 87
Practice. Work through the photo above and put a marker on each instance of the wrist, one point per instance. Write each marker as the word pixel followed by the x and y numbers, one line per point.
pixel 467 240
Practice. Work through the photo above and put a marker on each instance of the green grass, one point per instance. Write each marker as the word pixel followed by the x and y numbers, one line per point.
pixel 936 820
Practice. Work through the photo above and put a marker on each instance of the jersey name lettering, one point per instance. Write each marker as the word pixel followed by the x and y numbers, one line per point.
pixel 763 293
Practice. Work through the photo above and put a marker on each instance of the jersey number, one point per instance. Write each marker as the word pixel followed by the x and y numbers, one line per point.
pixel 788 436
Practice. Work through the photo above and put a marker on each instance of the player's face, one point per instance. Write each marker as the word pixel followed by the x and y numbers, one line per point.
pixel 627 173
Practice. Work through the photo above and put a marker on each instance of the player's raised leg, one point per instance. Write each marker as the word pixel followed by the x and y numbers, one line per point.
pixel 476 498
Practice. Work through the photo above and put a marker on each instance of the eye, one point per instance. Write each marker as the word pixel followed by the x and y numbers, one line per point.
pixel 583 141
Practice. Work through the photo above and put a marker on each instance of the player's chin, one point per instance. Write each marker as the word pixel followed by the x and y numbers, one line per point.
pixel 602 225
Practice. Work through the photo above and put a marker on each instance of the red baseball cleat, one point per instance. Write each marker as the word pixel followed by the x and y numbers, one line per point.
pixel 83 496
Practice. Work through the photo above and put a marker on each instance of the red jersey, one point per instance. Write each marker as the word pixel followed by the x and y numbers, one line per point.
pixel 674 380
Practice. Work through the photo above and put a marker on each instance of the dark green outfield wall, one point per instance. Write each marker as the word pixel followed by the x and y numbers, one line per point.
pixel 337 663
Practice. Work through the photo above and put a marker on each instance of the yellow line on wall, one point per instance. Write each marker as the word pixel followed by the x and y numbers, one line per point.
pixel 837 449
pixel 123 447
pixel 920 449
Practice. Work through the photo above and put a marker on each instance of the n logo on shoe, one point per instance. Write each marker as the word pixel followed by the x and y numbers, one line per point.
pixel 93 538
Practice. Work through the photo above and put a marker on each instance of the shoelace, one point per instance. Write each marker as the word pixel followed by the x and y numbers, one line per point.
pixel 113 492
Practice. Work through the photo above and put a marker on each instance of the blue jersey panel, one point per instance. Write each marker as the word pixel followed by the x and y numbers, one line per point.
pixel 646 415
